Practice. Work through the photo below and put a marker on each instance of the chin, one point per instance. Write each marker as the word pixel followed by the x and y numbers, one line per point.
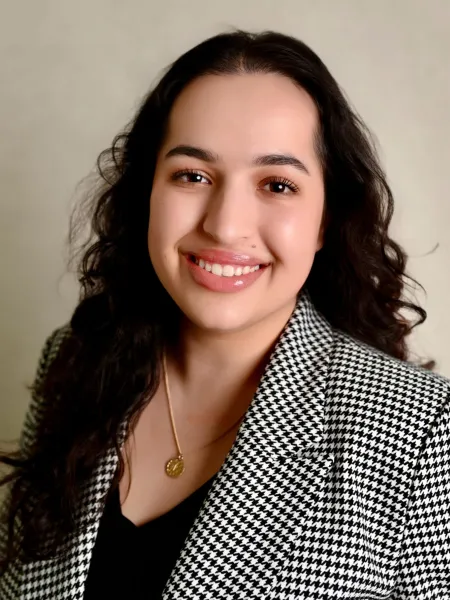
pixel 217 318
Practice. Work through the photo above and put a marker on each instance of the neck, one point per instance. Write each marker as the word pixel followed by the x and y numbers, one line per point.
pixel 224 362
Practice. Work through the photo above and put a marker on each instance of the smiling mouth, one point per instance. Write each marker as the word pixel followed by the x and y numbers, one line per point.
pixel 222 270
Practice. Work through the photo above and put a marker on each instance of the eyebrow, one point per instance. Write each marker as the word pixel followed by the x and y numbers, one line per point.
pixel 263 160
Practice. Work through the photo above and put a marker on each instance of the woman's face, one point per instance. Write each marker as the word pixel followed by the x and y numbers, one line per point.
pixel 237 184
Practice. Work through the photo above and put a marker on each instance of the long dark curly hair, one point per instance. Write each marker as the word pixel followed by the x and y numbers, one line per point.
pixel 110 363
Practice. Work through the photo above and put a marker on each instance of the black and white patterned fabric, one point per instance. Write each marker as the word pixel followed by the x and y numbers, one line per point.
pixel 337 485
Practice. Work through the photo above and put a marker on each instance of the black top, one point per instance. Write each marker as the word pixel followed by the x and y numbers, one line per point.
pixel 135 562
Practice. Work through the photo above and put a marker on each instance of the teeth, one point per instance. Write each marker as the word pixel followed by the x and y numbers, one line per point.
pixel 225 270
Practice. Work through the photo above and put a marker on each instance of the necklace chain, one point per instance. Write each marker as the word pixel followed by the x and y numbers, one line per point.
pixel 174 466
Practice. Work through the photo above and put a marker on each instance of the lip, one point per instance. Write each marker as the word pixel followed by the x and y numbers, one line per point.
pixel 216 283
pixel 224 257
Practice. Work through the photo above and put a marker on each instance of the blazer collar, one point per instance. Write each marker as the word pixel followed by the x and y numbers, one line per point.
pixel 287 412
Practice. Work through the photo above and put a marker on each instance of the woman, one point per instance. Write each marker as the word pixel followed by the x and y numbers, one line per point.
pixel 231 412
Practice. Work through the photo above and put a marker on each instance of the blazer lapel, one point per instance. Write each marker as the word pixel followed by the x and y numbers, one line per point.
pixel 271 479
pixel 261 497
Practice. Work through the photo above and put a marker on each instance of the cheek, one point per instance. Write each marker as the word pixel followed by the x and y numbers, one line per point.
pixel 293 235
pixel 155 231
pixel 173 213
pixel 160 232
pixel 168 221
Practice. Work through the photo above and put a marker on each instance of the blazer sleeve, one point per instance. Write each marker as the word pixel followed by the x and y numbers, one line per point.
pixel 424 569
pixel 36 408
pixel 10 580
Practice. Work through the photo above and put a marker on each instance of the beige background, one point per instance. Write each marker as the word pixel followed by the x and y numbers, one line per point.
pixel 72 74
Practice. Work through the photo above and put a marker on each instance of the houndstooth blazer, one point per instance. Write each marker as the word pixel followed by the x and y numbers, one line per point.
pixel 337 485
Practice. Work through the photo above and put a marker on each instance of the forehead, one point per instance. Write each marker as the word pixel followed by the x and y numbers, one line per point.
pixel 237 115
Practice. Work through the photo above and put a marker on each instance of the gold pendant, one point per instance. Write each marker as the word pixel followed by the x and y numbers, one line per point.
pixel 175 466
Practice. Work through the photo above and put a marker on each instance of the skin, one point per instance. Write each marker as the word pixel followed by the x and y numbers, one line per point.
pixel 225 338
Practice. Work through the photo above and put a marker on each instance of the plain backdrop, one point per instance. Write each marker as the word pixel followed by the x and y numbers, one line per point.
pixel 73 73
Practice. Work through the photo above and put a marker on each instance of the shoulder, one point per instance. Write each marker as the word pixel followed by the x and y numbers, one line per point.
pixel 51 348
pixel 369 366
pixel 36 407
pixel 389 428
pixel 388 399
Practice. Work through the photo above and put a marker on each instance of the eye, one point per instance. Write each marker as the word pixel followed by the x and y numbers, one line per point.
pixel 280 185
pixel 189 176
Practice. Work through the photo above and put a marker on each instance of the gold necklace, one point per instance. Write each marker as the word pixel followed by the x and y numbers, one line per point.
pixel 174 466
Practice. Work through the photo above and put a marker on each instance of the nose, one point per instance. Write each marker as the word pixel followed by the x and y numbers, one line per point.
pixel 230 215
